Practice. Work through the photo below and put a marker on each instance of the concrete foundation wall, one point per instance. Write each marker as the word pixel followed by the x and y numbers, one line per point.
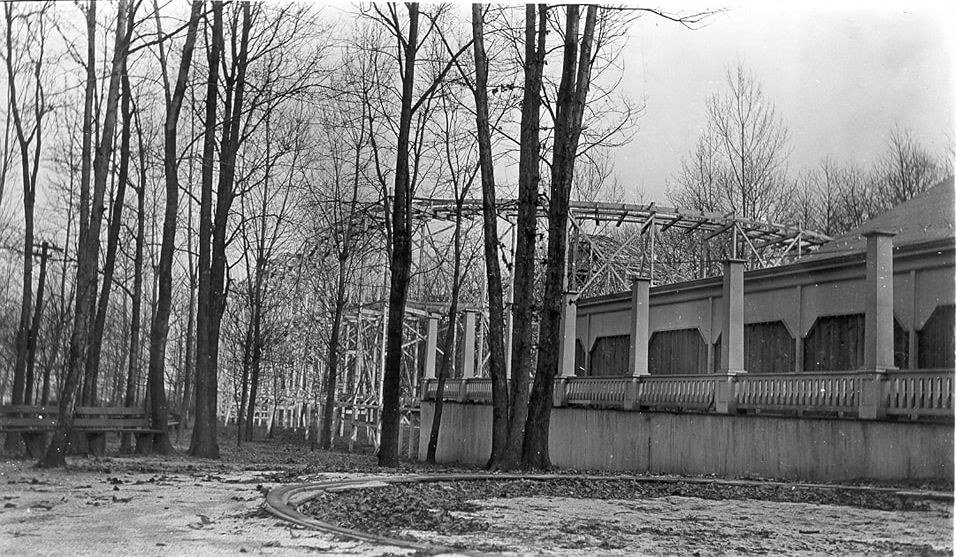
pixel 465 434
pixel 729 446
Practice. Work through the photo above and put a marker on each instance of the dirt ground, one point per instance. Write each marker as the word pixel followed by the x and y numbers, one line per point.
pixel 691 526
pixel 132 505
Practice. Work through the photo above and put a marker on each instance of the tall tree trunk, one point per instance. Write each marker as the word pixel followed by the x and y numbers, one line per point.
pixel 256 361
pixel 207 375
pixel 26 300
pixel 203 442
pixel 133 360
pixel 159 327
pixel 259 288
pixel 29 171
pixel 112 239
pixel 572 94
pixel 101 170
pixel 496 346
pixel 401 256
pixel 331 375
pixel 5 155
pixel 341 292
pixel 88 250
pixel 526 234
pixel 253 352
pixel 186 402
pixel 241 422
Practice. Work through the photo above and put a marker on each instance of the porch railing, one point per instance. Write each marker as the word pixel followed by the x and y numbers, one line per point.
pixel 920 394
pixel 471 389
pixel 598 391
pixel 677 392
pixel 827 392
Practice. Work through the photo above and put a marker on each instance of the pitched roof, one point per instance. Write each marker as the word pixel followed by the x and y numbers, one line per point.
pixel 929 216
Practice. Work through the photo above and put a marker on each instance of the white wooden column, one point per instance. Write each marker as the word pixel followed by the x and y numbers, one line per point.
pixel 732 330
pixel 509 329
pixel 640 321
pixel 569 320
pixel 468 369
pixel 431 347
pixel 878 322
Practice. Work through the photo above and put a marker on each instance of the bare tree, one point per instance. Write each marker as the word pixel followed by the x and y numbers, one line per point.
pixel 906 169
pixel 204 442
pixel 825 195
pixel 27 108
pixel 408 44
pixel 401 255
pixel 88 249
pixel 700 183
pixel 499 381
pixel 572 97
pixel 265 65
pixel 266 212
pixel 345 242
pixel 133 358
pixel 458 164
pixel 159 327
pixel 529 175
pixel 92 368
pixel 102 162
pixel 7 156
pixel 755 146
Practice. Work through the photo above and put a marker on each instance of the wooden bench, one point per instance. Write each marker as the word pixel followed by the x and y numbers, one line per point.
pixel 32 422
pixel 35 422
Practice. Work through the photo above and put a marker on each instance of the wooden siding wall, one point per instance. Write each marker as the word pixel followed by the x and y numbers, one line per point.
pixel 610 355
pixel 768 348
pixel 580 358
pixel 901 345
pixel 676 352
pixel 835 342
pixel 936 343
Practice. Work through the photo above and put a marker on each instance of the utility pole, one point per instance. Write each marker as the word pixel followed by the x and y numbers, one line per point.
pixel 35 328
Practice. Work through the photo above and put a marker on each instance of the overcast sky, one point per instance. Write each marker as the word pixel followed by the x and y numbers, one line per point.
pixel 841 74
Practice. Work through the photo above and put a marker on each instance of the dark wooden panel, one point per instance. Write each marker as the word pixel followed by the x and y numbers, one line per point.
pixel 609 355
pixel 717 347
pixel 834 343
pixel 936 339
pixel 901 346
pixel 579 358
pixel 768 348
pixel 677 352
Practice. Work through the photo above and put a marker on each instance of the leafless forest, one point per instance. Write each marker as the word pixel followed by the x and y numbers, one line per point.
pixel 192 195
